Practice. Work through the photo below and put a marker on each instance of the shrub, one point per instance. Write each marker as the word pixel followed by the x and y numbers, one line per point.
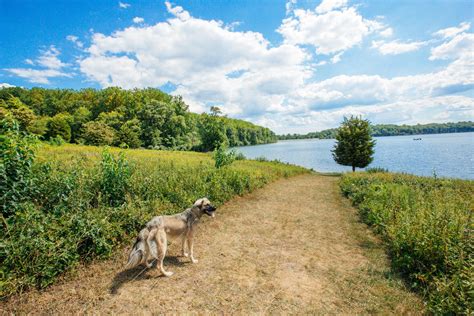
pixel 56 141
pixel 261 158
pixel 240 156
pixel 16 159
pixel 376 170
pixel 427 224
pixel 222 157
pixel 115 173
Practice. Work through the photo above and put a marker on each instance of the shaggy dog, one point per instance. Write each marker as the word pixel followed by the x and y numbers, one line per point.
pixel 153 239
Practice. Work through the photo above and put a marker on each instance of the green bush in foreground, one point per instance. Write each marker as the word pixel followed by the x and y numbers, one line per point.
pixel 87 201
pixel 222 157
pixel 427 224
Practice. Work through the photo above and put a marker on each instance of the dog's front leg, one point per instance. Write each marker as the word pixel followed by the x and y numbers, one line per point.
pixel 191 246
pixel 183 252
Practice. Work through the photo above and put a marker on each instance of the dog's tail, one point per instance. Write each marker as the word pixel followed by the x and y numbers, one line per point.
pixel 137 254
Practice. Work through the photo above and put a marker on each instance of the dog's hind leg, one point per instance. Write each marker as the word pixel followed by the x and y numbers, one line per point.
pixel 150 249
pixel 162 243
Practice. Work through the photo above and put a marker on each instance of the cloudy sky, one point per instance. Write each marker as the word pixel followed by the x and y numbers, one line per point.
pixel 293 66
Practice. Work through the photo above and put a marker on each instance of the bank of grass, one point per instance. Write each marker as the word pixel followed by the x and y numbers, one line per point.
pixel 82 202
pixel 427 224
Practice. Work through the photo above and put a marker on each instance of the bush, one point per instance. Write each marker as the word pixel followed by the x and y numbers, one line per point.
pixel 427 224
pixel 115 177
pixel 376 170
pixel 16 159
pixel 222 157
pixel 56 141
pixel 240 156
pixel 261 158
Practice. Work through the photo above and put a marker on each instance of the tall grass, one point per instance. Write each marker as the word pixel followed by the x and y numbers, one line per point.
pixel 84 202
pixel 428 226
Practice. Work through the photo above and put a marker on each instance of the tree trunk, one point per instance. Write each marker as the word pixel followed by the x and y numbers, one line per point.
pixel 353 168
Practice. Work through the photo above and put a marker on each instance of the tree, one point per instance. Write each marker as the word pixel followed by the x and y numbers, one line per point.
pixel 212 131
pixel 59 125
pixel 97 133
pixel 39 126
pixel 215 111
pixel 129 134
pixel 81 116
pixel 354 144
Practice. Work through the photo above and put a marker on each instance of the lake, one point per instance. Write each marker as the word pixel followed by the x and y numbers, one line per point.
pixel 447 155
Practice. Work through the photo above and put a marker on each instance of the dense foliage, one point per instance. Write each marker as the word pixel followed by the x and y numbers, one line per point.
pixel 393 130
pixel 147 118
pixel 67 204
pixel 354 145
pixel 428 226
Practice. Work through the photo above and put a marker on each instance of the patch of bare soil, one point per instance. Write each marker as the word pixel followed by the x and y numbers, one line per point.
pixel 295 246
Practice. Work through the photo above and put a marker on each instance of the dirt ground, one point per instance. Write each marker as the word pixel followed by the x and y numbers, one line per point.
pixel 293 247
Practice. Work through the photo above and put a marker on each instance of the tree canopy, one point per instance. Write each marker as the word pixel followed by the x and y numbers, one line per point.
pixel 135 118
pixel 354 144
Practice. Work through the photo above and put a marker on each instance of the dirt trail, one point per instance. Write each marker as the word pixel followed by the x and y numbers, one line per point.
pixel 295 246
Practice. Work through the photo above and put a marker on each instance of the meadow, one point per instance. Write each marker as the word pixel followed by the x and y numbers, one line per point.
pixel 70 204
pixel 427 224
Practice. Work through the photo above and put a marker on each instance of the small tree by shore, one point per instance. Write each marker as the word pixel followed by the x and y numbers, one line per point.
pixel 354 144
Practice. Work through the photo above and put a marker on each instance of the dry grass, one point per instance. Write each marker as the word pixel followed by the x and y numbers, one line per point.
pixel 295 246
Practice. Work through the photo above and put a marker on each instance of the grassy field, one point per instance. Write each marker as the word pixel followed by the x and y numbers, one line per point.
pixel 74 203
pixel 428 226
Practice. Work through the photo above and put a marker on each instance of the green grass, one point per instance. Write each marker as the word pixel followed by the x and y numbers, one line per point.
pixel 84 202
pixel 427 224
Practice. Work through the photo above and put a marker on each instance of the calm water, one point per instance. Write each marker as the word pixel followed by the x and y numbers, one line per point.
pixel 449 155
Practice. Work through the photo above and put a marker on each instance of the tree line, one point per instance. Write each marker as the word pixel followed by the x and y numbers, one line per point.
pixel 139 118
pixel 393 130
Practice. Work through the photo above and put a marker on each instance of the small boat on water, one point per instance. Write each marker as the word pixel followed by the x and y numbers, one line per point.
pixel 417 138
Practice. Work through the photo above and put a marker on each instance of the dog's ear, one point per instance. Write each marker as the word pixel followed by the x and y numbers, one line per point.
pixel 198 203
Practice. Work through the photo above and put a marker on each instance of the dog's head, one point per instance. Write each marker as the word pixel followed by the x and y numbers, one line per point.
pixel 205 206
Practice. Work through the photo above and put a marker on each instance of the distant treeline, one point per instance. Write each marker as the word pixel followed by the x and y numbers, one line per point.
pixel 147 118
pixel 394 130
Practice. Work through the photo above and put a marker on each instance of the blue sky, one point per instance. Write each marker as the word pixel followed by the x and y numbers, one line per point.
pixel 294 66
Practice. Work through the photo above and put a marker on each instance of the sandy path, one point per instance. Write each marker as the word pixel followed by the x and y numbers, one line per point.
pixel 295 246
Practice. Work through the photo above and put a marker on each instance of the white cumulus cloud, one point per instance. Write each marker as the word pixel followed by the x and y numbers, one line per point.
pixel 138 20
pixel 329 5
pixel 396 47
pixel 205 59
pixel 6 85
pixel 453 31
pixel 51 67
pixel 330 28
pixel 461 45
pixel 74 39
